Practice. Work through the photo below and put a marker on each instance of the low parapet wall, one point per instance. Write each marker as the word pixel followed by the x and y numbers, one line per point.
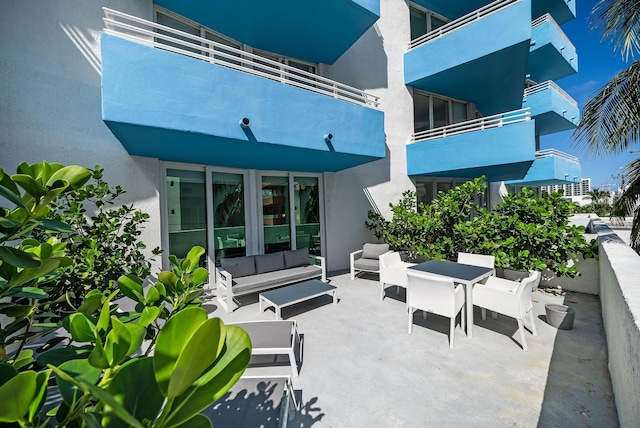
pixel 620 301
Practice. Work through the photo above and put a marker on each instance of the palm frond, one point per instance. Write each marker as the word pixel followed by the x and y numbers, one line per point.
pixel 621 22
pixel 610 121
pixel 630 199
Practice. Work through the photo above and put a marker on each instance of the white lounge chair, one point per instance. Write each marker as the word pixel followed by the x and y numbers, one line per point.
pixel 435 294
pixel 509 298
pixel 274 337
pixel 366 260
pixel 393 271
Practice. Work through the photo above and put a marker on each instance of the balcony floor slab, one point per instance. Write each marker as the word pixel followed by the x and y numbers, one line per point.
pixel 361 368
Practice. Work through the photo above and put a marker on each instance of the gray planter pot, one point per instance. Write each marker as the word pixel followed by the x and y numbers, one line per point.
pixel 560 316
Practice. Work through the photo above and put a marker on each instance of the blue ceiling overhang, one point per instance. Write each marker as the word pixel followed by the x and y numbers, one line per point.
pixel 549 171
pixel 477 63
pixel 189 110
pixel 312 30
pixel 561 10
pixel 552 111
pixel 552 55
pixel 503 153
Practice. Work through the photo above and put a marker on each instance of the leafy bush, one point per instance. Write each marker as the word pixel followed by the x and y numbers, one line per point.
pixel 523 232
pixel 102 247
pixel 102 369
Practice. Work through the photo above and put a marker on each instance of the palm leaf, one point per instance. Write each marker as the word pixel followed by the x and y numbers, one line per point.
pixel 621 22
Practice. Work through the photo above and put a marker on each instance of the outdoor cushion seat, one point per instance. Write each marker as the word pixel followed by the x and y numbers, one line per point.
pixel 366 260
pixel 253 274
pixel 248 284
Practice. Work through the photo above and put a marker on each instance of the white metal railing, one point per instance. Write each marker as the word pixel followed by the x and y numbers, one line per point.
pixel 481 124
pixel 548 18
pixel 464 20
pixel 546 153
pixel 549 84
pixel 160 36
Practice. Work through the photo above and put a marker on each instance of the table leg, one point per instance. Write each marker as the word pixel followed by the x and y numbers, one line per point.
pixel 260 303
pixel 469 307
pixel 335 301
pixel 278 314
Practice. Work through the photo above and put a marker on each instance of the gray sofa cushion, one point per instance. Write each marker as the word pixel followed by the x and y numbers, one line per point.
pixel 373 251
pixel 372 265
pixel 239 266
pixel 296 258
pixel 269 262
pixel 268 280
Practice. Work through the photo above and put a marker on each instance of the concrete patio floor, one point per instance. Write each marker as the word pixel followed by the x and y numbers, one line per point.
pixel 360 368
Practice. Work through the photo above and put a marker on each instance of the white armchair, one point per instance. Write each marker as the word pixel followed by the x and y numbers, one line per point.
pixel 393 271
pixel 366 260
pixel 509 298
pixel 437 295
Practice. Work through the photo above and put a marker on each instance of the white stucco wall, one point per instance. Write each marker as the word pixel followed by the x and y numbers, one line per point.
pixel 620 301
pixel 375 64
pixel 50 97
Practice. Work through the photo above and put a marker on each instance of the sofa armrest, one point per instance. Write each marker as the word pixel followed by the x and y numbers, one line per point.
pixel 225 289
pixel 321 263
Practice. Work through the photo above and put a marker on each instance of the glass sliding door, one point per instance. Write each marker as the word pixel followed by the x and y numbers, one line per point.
pixel 187 211
pixel 229 231
pixel 275 214
pixel 306 201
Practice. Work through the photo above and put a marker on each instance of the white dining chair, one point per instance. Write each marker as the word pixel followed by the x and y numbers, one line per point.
pixel 435 294
pixel 510 298
pixel 477 260
pixel 393 271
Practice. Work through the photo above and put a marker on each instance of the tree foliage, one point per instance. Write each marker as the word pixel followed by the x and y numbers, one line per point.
pixel 524 232
pixel 610 121
pixel 102 367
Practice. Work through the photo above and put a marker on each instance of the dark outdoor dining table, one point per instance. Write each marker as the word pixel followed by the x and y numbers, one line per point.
pixel 460 273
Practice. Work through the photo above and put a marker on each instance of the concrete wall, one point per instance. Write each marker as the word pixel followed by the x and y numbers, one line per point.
pixel 50 97
pixel 620 300
pixel 375 64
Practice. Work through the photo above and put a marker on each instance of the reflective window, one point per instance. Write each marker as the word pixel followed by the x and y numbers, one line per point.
pixel 229 230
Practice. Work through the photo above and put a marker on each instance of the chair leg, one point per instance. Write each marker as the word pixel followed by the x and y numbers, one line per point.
pixel 381 290
pixel 494 315
pixel 424 315
pixel 410 318
pixel 353 273
pixel 452 329
pixel 522 338
pixel 483 312
pixel 463 317
pixel 398 290
pixel 533 324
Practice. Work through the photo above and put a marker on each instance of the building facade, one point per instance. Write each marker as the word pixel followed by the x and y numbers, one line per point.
pixel 253 127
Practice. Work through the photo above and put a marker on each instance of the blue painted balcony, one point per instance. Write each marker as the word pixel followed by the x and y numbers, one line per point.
pixel 305 30
pixel 552 56
pixel 551 167
pixel 501 147
pixel 177 100
pixel 551 107
pixel 468 59
pixel 562 10
pixel 451 9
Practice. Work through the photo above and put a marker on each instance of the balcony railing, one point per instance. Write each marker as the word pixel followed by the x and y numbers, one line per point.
pixel 549 84
pixel 546 153
pixel 463 21
pixel 160 36
pixel 489 122
pixel 548 18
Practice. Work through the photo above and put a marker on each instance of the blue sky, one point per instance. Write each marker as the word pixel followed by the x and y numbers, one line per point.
pixel 597 64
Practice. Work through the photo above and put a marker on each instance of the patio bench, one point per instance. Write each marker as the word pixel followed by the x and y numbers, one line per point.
pixel 239 276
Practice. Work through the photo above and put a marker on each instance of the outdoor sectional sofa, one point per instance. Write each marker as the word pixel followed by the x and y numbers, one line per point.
pixel 238 276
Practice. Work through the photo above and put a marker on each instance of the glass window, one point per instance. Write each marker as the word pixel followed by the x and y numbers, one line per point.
pixel 228 215
pixel 187 212
pixel 306 201
pixel 178 25
pixel 275 214
pixel 440 112
pixel 216 38
pixel 443 187
pixel 418 22
pixel 459 112
pixel 421 121
pixel 436 22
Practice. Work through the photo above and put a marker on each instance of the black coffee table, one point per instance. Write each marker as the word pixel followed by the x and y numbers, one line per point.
pixel 296 293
